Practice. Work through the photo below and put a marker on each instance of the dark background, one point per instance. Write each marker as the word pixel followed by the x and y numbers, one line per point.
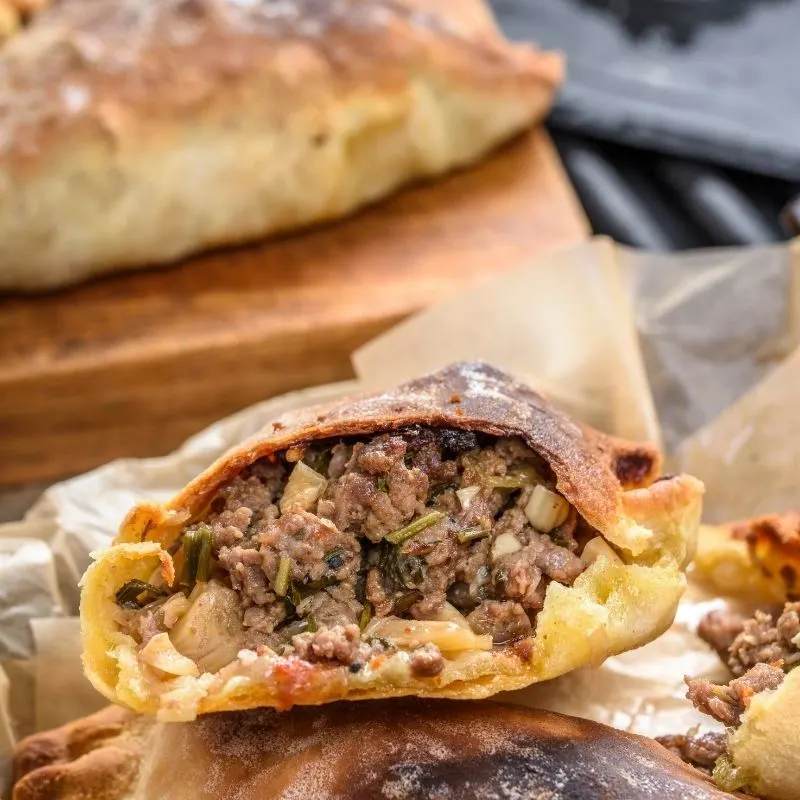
pixel 680 120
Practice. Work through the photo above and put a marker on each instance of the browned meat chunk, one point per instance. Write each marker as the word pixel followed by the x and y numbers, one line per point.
pixel 315 548
pixel 728 703
pixel 719 628
pixel 699 750
pixel 336 605
pixel 246 575
pixel 246 503
pixel 427 661
pixel 340 643
pixel 377 493
pixel 505 621
pixel 765 640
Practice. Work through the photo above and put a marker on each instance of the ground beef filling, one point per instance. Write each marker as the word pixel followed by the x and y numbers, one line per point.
pixel 400 524
pixel 699 750
pixel 759 651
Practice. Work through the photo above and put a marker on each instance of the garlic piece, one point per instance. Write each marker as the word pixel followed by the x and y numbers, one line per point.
pixel 304 487
pixel 160 653
pixel 597 547
pixel 546 510
pixel 505 544
pixel 467 495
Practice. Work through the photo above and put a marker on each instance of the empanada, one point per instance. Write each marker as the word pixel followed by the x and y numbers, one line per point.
pixel 406 750
pixel 137 132
pixel 454 537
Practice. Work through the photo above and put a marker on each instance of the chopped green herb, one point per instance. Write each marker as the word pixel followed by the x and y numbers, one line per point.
pixel 281 585
pixel 472 534
pixel 515 479
pixel 312 624
pixel 308 587
pixel 196 556
pixel 414 528
pixel 439 489
pixel 403 602
pixel 137 594
pixel 400 568
pixel 319 459
pixel 381 484
pixel 297 592
pixel 294 595
pixel 204 540
pixel 366 615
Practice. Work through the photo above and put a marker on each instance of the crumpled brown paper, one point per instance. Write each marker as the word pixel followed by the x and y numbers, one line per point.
pixel 695 351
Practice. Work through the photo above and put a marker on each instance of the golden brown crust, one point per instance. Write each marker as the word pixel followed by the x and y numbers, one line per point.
pixel 96 757
pixel 285 113
pixel 756 559
pixel 397 749
pixel 591 469
pixel 614 605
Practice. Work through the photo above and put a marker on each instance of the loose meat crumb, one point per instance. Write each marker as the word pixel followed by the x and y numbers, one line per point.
pixel 427 661
pixel 505 621
pixel 728 703
pixel 699 750
pixel 342 644
pixel 764 639
pixel 719 628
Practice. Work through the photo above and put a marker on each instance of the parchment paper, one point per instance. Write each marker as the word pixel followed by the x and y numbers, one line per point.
pixel 694 350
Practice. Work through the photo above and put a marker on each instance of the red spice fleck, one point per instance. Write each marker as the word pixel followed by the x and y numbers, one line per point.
pixel 455 398
pixel 459 412
pixel 523 649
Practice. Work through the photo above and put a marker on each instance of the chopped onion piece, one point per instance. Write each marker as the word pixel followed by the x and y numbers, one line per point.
pixel 505 544
pixel 447 636
pixel 449 613
pixel 210 632
pixel 467 495
pixel 303 489
pixel 175 608
pixel 546 510
pixel 160 653
pixel 598 547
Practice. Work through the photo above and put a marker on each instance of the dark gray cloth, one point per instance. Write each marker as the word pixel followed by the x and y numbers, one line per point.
pixel 716 80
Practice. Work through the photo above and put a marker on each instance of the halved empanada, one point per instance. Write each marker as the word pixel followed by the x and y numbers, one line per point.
pixel 454 537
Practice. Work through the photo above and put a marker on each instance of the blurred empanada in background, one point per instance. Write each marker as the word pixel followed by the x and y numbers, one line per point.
pixel 138 132
pixel 754 562
pixel 404 750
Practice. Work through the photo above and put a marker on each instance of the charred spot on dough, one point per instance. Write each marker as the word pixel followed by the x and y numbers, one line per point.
pixel 633 467
pixel 789 576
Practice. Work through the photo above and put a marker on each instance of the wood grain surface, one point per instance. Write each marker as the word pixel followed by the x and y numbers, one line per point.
pixel 131 365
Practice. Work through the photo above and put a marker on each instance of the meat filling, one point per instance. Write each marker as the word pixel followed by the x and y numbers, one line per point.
pixel 759 652
pixel 728 703
pixel 324 540
pixel 699 750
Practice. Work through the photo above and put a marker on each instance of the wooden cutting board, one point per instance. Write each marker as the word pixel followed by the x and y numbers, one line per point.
pixel 133 364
